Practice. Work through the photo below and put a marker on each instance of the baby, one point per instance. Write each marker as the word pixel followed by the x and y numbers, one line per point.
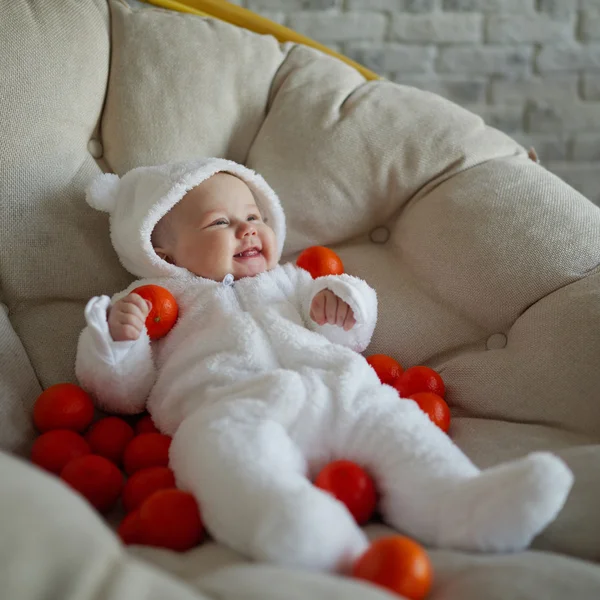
pixel 261 383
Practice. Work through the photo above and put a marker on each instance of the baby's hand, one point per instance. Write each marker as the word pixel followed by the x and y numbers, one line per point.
pixel 127 317
pixel 326 307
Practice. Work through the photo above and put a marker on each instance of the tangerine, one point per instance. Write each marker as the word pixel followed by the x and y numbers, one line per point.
pixel 108 437
pixel 145 425
pixel 320 261
pixel 388 369
pixel 63 406
pixel 144 483
pixel 420 379
pixel 351 485
pixel 146 450
pixel 96 479
pixel 129 529
pixel 164 311
pixel 171 519
pixel 54 449
pixel 397 564
pixel 435 407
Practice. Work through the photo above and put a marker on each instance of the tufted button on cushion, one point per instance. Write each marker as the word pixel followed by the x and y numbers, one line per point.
pixel 95 148
pixel 497 341
pixel 380 235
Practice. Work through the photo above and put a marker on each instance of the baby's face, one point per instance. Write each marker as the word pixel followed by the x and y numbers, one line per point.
pixel 217 229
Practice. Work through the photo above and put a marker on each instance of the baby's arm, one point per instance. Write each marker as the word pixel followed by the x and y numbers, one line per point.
pixel 355 292
pixel 120 374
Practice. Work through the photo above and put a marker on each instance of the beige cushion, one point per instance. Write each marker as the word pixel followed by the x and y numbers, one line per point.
pixel 485 264
pixel 460 576
pixel 527 575
pixel 18 390
pixel 224 105
pixel 54 542
pixel 53 545
pixel 53 254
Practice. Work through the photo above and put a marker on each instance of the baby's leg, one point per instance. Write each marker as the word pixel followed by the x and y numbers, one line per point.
pixel 431 490
pixel 250 481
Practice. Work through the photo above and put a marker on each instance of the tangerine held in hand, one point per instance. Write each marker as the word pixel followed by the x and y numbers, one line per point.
pixel 320 261
pixel 164 311
pixel 54 449
pixel 435 407
pixel 420 379
pixel 397 564
pixel 63 406
pixel 388 369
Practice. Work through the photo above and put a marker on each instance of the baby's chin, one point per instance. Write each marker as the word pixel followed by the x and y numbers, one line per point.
pixel 249 267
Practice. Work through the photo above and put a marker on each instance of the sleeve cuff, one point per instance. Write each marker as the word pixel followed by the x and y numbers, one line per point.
pixel 363 301
pixel 96 319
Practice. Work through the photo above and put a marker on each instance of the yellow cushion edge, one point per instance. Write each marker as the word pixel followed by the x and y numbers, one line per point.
pixel 242 17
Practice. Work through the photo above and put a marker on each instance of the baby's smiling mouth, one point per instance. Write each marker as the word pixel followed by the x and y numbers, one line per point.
pixel 248 253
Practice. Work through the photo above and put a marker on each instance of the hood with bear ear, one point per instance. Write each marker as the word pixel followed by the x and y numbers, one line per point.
pixel 139 199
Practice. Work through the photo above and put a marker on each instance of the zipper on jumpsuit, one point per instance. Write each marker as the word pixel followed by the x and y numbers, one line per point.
pixel 229 281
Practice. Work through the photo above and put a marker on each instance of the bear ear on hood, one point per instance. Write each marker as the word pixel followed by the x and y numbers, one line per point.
pixel 137 201
pixel 101 194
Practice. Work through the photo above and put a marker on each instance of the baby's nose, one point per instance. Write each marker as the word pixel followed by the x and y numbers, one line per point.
pixel 248 229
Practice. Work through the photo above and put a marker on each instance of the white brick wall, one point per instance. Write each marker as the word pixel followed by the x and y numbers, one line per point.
pixel 529 67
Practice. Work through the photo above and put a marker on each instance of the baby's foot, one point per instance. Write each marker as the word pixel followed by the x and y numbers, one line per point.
pixel 505 507
pixel 308 529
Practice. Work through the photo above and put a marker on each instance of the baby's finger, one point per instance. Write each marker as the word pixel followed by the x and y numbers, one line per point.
pixel 331 306
pixel 138 307
pixel 350 321
pixel 134 299
pixel 342 311
pixel 317 309
pixel 131 320
pixel 129 308
pixel 128 332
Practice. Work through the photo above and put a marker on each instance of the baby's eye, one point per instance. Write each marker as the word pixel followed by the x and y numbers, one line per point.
pixel 220 222
pixel 253 218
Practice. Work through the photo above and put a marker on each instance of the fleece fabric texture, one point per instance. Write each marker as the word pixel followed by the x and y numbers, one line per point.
pixel 258 398
pixel 138 200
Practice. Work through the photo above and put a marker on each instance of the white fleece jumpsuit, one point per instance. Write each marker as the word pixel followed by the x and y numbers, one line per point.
pixel 258 398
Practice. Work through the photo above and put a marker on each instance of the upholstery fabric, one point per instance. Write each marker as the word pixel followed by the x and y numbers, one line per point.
pixel 485 264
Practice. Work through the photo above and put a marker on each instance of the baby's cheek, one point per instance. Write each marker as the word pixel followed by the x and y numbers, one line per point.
pixel 270 241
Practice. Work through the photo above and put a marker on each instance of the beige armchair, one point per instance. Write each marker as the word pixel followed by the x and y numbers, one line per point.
pixel 486 266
